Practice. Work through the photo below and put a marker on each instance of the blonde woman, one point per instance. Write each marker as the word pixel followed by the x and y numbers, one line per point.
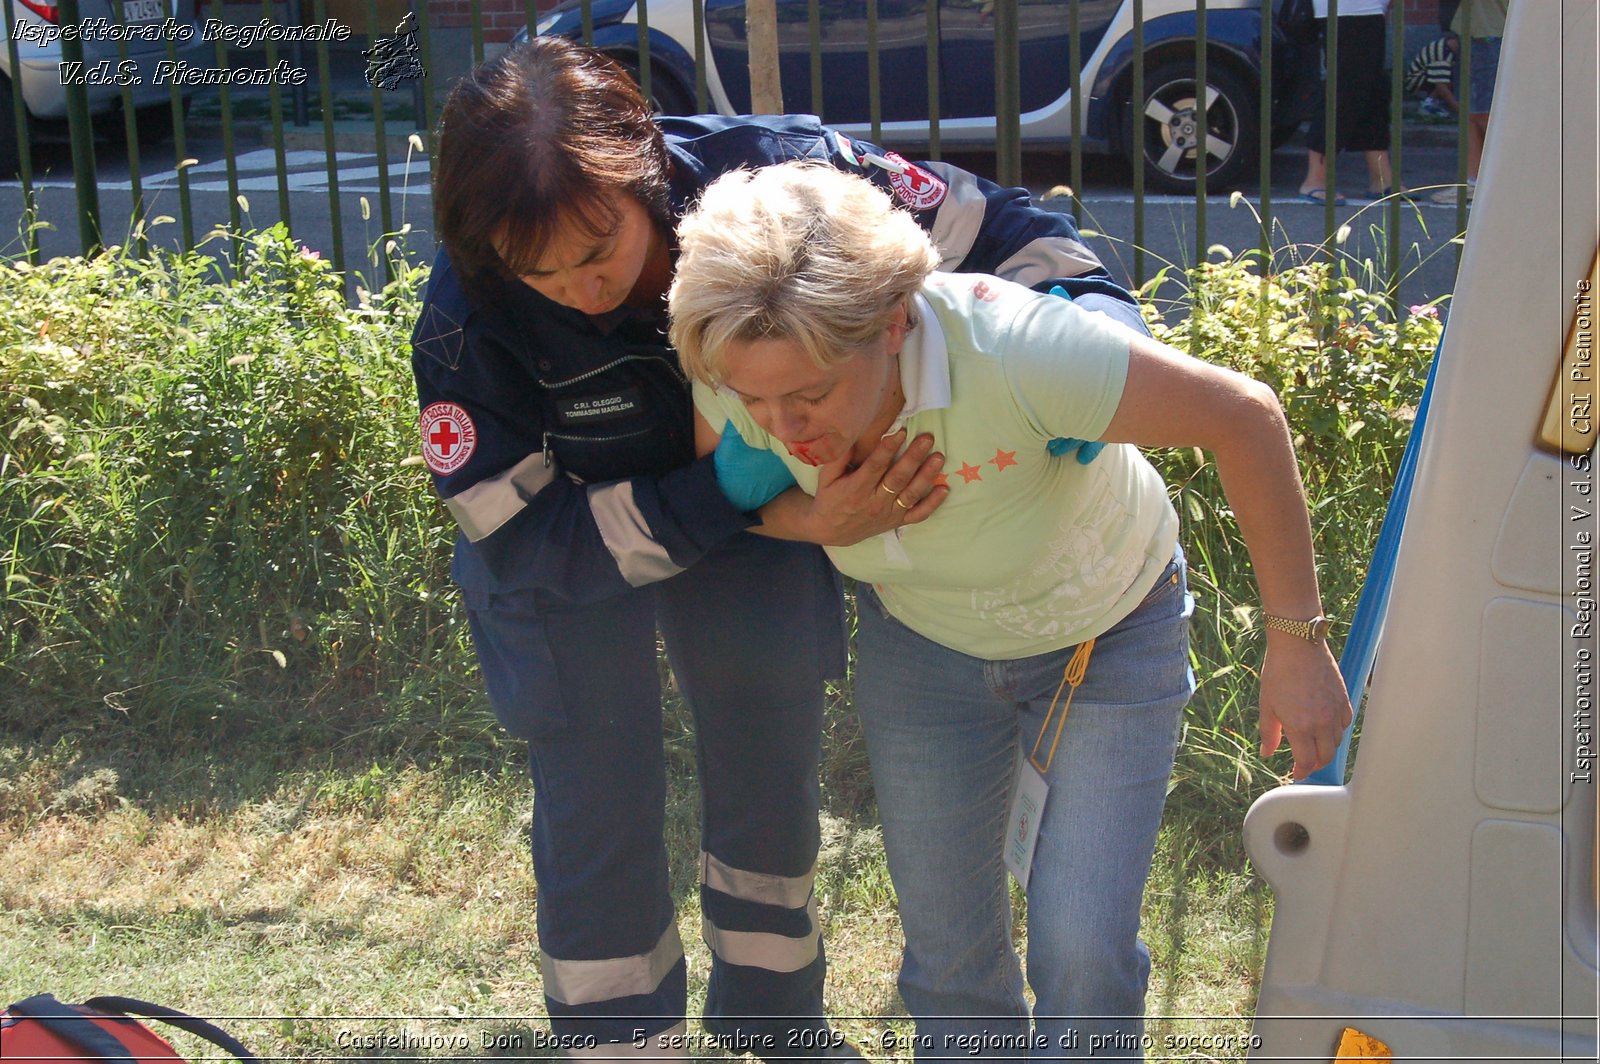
pixel 809 311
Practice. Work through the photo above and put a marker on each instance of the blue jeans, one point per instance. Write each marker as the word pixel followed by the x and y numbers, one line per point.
pixel 943 731
pixel 1485 68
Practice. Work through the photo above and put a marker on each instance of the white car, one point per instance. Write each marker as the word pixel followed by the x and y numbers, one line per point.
pixel 1169 116
pixel 152 32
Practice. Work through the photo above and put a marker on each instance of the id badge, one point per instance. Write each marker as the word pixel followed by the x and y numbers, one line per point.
pixel 1022 825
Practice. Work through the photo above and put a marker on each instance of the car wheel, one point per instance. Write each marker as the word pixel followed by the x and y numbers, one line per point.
pixel 667 97
pixel 1166 128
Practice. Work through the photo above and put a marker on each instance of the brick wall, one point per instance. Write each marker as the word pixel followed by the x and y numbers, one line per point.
pixel 501 18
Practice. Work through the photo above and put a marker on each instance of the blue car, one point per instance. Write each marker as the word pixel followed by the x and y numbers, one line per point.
pixel 1164 124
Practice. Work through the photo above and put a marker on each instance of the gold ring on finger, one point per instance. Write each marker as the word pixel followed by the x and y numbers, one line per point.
pixel 898 501
pixel 884 486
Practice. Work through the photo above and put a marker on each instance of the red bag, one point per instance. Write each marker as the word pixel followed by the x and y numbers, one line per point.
pixel 43 1029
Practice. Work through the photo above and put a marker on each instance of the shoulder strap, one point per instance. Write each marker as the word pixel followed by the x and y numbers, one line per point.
pixel 72 1027
pixel 181 1020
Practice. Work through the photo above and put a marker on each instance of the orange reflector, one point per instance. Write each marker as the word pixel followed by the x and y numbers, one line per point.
pixel 1354 1045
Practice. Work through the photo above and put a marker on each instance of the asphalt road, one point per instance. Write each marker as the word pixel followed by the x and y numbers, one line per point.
pixel 1172 230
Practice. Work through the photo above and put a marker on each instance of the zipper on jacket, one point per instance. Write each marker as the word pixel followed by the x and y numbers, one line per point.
pixel 548 436
pixel 613 364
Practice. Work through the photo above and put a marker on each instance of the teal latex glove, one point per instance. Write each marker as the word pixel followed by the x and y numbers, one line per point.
pixel 749 478
pixel 1085 451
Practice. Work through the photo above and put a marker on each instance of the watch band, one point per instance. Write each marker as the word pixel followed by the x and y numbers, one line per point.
pixel 1313 631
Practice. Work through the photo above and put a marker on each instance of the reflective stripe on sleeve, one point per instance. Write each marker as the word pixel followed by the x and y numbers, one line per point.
pixel 1043 260
pixel 959 221
pixel 960 217
pixel 490 503
pixel 760 949
pixel 671 1044
pixel 585 982
pixel 788 892
pixel 639 557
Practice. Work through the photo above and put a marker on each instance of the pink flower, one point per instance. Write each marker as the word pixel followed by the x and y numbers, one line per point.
pixel 307 253
pixel 1424 310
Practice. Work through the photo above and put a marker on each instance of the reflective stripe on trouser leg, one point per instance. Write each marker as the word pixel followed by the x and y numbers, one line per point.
pixel 606 916
pixel 765 949
pixel 627 992
pixel 586 982
pixel 753 676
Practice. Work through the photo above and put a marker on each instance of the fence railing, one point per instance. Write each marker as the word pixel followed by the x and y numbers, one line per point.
pixel 287 78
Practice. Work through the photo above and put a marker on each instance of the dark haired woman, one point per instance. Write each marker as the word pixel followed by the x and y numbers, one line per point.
pixel 557 424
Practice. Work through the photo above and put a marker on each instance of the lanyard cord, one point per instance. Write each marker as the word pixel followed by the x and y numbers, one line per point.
pixel 1071 677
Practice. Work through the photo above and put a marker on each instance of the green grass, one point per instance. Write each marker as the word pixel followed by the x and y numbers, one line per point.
pixel 246 765
pixel 306 902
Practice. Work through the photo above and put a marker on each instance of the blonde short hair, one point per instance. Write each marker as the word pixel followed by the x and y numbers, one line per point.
pixel 798 251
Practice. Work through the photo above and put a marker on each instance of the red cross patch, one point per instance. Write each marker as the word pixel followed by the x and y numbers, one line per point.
pixel 448 438
pixel 916 188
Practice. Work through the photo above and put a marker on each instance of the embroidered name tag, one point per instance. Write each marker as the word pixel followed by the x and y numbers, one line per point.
pixel 592 408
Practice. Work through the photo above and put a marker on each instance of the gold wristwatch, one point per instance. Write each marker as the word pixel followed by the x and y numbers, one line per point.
pixel 1313 631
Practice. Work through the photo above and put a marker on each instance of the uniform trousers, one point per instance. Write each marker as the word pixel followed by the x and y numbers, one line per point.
pixel 751 632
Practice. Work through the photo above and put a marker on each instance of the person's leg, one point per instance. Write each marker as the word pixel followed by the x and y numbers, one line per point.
pixel 1477 130
pixel 751 632
pixel 1485 73
pixel 1315 183
pixel 1380 175
pixel 1108 782
pixel 943 746
pixel 581 685
pixel 1364 97
pixel 1316 179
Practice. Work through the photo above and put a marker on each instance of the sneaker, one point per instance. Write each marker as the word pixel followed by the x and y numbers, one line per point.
pixel 1450 197
pixel 1432 108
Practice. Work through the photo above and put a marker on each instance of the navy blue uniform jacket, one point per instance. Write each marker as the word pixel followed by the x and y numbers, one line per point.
pixel 564 447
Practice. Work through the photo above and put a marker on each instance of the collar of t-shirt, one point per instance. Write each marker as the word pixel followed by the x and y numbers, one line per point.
pixel 924 366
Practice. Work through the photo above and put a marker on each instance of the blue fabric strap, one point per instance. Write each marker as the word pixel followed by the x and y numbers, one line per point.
pixel 1361 648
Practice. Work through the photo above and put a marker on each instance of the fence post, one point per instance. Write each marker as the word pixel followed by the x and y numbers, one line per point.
pixel 1202 147
pixel 83 173
pixel 1137 135
pixel 329 142
pixel 1007 95
pixel 20 131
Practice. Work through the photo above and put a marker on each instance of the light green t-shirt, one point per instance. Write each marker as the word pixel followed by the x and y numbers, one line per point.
pixel 1031 553
pixel 1480 18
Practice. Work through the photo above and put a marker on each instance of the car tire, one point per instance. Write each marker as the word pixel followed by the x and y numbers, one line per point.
pixel 1164 128
pixel 667 96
